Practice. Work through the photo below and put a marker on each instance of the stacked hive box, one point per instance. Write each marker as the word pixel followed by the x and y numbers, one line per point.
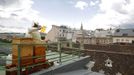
pixel 28 48
pixel 26 51
pixel 39 50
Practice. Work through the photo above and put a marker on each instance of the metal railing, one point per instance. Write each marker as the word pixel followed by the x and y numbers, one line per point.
pixel 53 53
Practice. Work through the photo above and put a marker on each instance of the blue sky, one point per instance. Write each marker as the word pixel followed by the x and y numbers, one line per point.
pixel 64 12
pixel 18 15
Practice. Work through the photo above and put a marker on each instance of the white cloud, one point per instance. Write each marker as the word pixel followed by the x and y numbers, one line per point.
pixel 14 25
pixel 17 13
pixel 81 4
pixel 9 7
pixel 114 12
pixel 93 3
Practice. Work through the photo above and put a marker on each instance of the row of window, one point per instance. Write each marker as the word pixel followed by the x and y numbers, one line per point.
pixel 64 31
pixel 122 40
pixel 61 35
pixel 103 41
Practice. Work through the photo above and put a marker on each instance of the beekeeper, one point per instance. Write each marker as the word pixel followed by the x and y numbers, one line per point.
pixel 34 31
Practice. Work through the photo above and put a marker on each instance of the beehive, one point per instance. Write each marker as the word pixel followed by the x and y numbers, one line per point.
pixel 39 50
pixel 26 50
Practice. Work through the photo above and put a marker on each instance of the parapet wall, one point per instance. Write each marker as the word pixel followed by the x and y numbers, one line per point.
pixel 122 57
pixel 115 48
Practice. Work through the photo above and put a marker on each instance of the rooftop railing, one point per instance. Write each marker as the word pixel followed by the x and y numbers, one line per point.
pixel 57 52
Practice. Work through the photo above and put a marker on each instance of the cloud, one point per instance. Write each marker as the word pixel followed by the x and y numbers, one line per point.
pixel 14 25
pixel 93 3
pixel 17 14
pixel 81 5
pixel 17 7
pixel 114 12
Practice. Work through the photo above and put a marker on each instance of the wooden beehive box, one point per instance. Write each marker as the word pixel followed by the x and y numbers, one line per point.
pixel 26 50
pixel 39 50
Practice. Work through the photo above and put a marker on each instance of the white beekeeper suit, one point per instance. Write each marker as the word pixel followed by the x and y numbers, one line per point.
pixel 33 32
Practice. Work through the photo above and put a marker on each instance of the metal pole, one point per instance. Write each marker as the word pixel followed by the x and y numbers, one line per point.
pixel 19 60
pixel 79 51
pixel 70 43
pixel 59 50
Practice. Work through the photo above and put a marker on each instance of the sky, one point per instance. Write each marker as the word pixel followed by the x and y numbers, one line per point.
pixel 19 15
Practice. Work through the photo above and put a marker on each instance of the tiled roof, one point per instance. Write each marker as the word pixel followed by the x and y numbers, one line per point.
pixel 124 32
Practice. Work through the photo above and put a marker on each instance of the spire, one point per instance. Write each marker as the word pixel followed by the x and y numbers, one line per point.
pixel 82 37
pixel 81 26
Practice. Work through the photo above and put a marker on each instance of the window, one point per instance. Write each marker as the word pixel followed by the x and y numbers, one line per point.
pixel 104 41
pixel 132 41
pixel 63 31
pixel 125 34
pixel 127 40
pixel 117 30
pixel 122 39
pixel 118 40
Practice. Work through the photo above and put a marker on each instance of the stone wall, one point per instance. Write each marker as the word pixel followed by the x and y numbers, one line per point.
pixel 122 57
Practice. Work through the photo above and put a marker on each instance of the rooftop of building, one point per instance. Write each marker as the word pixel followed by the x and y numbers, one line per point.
pixel 124 32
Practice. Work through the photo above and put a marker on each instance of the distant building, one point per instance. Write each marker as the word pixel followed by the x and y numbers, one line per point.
pixel 102 33
pixel 10 36
pixel 82 36
pixel 59 33
pixel 53 33
pixel 65 33
pixel 101 36
pixel 101 40
pixel 123 36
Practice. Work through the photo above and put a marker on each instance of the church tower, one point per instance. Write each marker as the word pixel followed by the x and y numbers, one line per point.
pixel 82 37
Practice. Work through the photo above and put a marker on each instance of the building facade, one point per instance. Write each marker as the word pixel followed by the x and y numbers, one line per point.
pixel 101 40
pixel 123 36
pixel 59 33
pixel 101 36
pixel 82 36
